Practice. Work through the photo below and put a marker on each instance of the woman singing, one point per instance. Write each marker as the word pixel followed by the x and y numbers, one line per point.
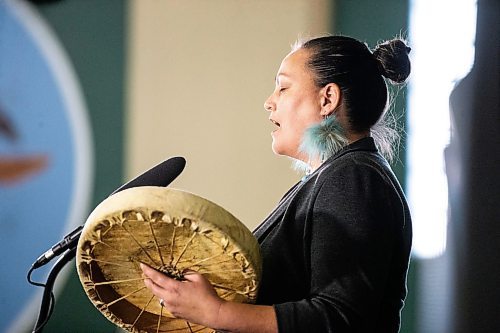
pixel 335 250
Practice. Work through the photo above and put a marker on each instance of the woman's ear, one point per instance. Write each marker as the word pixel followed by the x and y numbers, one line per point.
pixel 330 98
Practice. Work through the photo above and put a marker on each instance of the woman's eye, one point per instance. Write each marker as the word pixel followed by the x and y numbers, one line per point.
pixel 282 89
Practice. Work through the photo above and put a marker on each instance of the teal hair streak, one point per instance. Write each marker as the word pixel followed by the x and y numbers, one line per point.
pixel 323 140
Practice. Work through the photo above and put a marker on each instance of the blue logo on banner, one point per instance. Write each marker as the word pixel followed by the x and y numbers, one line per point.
pixel 45 156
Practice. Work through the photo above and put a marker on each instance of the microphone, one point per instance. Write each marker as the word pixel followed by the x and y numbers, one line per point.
pixel 70 240
pixel 160 175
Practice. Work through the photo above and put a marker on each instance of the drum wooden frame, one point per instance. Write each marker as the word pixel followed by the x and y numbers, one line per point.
pixel 171 231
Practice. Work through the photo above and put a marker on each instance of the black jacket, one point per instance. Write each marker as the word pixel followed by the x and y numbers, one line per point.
pixel 335 251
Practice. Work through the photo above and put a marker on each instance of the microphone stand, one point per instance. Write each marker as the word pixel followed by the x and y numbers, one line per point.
pixel 44 313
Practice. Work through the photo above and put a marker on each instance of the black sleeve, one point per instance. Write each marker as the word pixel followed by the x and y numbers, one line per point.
pixel 349 239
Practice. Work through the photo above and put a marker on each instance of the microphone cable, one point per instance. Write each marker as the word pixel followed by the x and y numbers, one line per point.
pixel 51 302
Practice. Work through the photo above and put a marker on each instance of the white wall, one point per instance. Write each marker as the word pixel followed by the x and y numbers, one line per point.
pixel 199 72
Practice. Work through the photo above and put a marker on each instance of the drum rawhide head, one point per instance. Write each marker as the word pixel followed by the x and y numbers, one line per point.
pixel 171 231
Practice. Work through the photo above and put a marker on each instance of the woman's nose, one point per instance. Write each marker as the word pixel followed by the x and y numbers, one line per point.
pixel 268 104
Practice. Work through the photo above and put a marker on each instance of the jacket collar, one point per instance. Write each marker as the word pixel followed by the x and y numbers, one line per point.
pixel 364 144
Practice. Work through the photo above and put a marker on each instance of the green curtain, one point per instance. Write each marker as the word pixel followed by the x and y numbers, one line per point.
pixel 93 33
pixel 373 22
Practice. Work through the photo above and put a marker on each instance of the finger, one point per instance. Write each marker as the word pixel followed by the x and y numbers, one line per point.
pixel 149 283
pixel 192 276
pixel 153 274
pixel 159 279
pixel 156 289
pixel 147 270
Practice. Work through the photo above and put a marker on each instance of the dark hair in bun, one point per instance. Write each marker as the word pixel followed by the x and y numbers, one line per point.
pixel 360 75
pixel 393 61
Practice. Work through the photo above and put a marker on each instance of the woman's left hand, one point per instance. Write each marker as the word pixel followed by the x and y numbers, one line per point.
pixel 193 299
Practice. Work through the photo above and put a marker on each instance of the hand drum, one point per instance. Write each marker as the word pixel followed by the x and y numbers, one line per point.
pixel 171 231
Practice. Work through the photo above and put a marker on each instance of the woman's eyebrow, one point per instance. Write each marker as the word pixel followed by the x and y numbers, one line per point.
pixel 280 74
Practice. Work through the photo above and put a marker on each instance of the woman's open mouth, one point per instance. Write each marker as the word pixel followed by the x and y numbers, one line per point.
pixel 275 123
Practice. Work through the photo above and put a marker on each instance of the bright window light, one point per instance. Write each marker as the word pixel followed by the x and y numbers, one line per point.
pixel 441 35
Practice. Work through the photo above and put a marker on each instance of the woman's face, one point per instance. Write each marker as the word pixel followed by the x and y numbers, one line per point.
pixel 294 105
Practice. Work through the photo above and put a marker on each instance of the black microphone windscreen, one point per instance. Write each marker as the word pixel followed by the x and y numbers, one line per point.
pixel 160 175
